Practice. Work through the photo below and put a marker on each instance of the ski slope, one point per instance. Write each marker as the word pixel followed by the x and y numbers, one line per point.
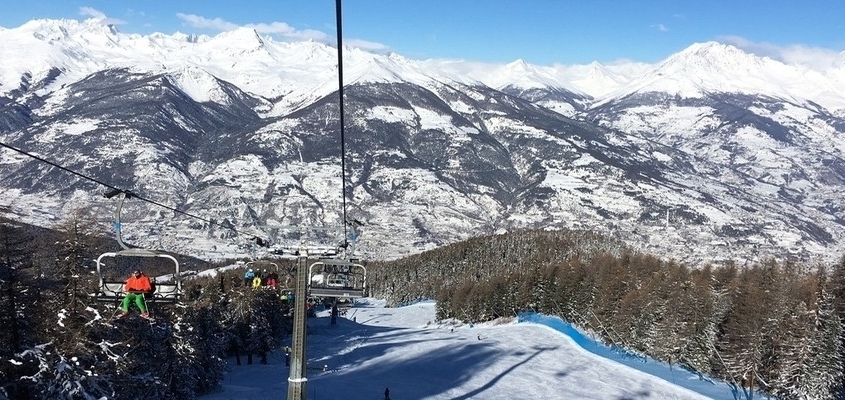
pixel 372 348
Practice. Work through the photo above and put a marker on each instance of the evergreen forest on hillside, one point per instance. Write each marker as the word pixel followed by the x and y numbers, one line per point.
pixel 775 326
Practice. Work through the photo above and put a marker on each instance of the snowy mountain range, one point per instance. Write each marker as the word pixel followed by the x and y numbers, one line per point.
pixel 711 154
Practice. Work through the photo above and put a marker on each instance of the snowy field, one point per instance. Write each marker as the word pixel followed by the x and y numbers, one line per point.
pixel 373 348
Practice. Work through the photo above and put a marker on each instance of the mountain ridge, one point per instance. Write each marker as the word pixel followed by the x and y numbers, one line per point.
pixel 205 48
pixel 433 153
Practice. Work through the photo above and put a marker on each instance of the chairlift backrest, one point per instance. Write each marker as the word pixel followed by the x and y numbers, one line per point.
pixel 337 282
pixel 254 265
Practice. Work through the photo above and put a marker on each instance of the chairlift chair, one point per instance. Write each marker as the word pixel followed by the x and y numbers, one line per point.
pixel 273 267
pixel 254 265
pixel 111 290
pixel 337 278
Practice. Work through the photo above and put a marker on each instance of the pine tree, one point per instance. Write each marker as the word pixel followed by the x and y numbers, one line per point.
pixel 700 313
pixel 794 349
pixel 837 292
pixel 821 370
pixel 687 330
pixel 14 298
pixel 741 346
pixel 76 250
pixel 67 315
pixel 18 300
pixel 196 352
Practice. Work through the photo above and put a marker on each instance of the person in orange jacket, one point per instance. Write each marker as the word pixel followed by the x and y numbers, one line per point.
pixel 137 285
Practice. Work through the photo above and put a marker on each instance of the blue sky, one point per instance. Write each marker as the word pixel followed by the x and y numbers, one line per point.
pixel 538 31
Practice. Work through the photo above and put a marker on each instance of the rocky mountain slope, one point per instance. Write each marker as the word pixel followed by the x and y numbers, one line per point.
pixel 712 154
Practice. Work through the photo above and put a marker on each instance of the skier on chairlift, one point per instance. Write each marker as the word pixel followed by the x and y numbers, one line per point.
pixel 248 277
pixel 136 287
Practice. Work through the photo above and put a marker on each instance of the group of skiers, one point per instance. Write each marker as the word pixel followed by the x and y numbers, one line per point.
pixel 138 287
pixel 263 278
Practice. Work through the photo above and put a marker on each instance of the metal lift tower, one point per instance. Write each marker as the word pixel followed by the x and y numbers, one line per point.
pixel 298 379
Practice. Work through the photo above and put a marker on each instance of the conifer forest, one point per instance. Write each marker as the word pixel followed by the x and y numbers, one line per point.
pixel 774 326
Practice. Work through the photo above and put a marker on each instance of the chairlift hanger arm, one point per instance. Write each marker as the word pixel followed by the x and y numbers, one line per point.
pixel 114 192
pixel 117 225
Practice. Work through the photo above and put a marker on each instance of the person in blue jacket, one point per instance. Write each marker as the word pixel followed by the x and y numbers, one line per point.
pixel 248 276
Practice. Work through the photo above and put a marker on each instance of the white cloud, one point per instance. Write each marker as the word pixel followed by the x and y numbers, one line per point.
pixel 660 27
pixel 280 29
pixel 817 58
pixel 196 21
pixel 100 16
pixel 367 45
pixel 134 12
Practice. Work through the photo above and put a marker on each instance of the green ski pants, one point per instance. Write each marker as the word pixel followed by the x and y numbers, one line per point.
pixel 138 298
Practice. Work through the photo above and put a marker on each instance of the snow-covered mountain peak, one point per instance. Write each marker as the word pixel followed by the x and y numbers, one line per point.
pixel 178 36
pixel 199 85
pixel 62 29
pixel 703 69
pixel 598 80
pixel 239 40
pixel 518 65
pixel 363 66
pixel 711 48
pixel 40 48
pixel 398 58
pixel 303 54
pixel 48 29
pixel 712 57
pixel 519 74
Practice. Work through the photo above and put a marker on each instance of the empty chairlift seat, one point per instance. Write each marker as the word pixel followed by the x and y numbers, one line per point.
pixel 337 278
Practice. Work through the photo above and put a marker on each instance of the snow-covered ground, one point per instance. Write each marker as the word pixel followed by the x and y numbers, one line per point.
pixel 403 349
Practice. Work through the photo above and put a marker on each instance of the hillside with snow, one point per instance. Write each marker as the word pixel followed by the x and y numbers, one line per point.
pixel 712 154
pixel 404 350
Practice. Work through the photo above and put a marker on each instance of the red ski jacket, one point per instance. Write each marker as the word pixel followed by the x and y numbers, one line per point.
pixel 139 284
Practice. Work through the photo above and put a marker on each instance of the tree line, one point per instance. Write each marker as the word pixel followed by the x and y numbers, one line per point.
pixel 772 326
pixel 775 327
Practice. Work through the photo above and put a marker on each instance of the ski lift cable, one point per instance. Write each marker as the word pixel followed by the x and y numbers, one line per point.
pixel 340 102
pixel 115 191
pixel 57 166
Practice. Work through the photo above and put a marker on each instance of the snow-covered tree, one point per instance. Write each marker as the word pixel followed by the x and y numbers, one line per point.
pixel 18 301
pixel 821 371
pixel 197 351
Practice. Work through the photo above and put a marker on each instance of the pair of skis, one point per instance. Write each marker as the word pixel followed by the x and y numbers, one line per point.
pixel 146 317
pixel 119 317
